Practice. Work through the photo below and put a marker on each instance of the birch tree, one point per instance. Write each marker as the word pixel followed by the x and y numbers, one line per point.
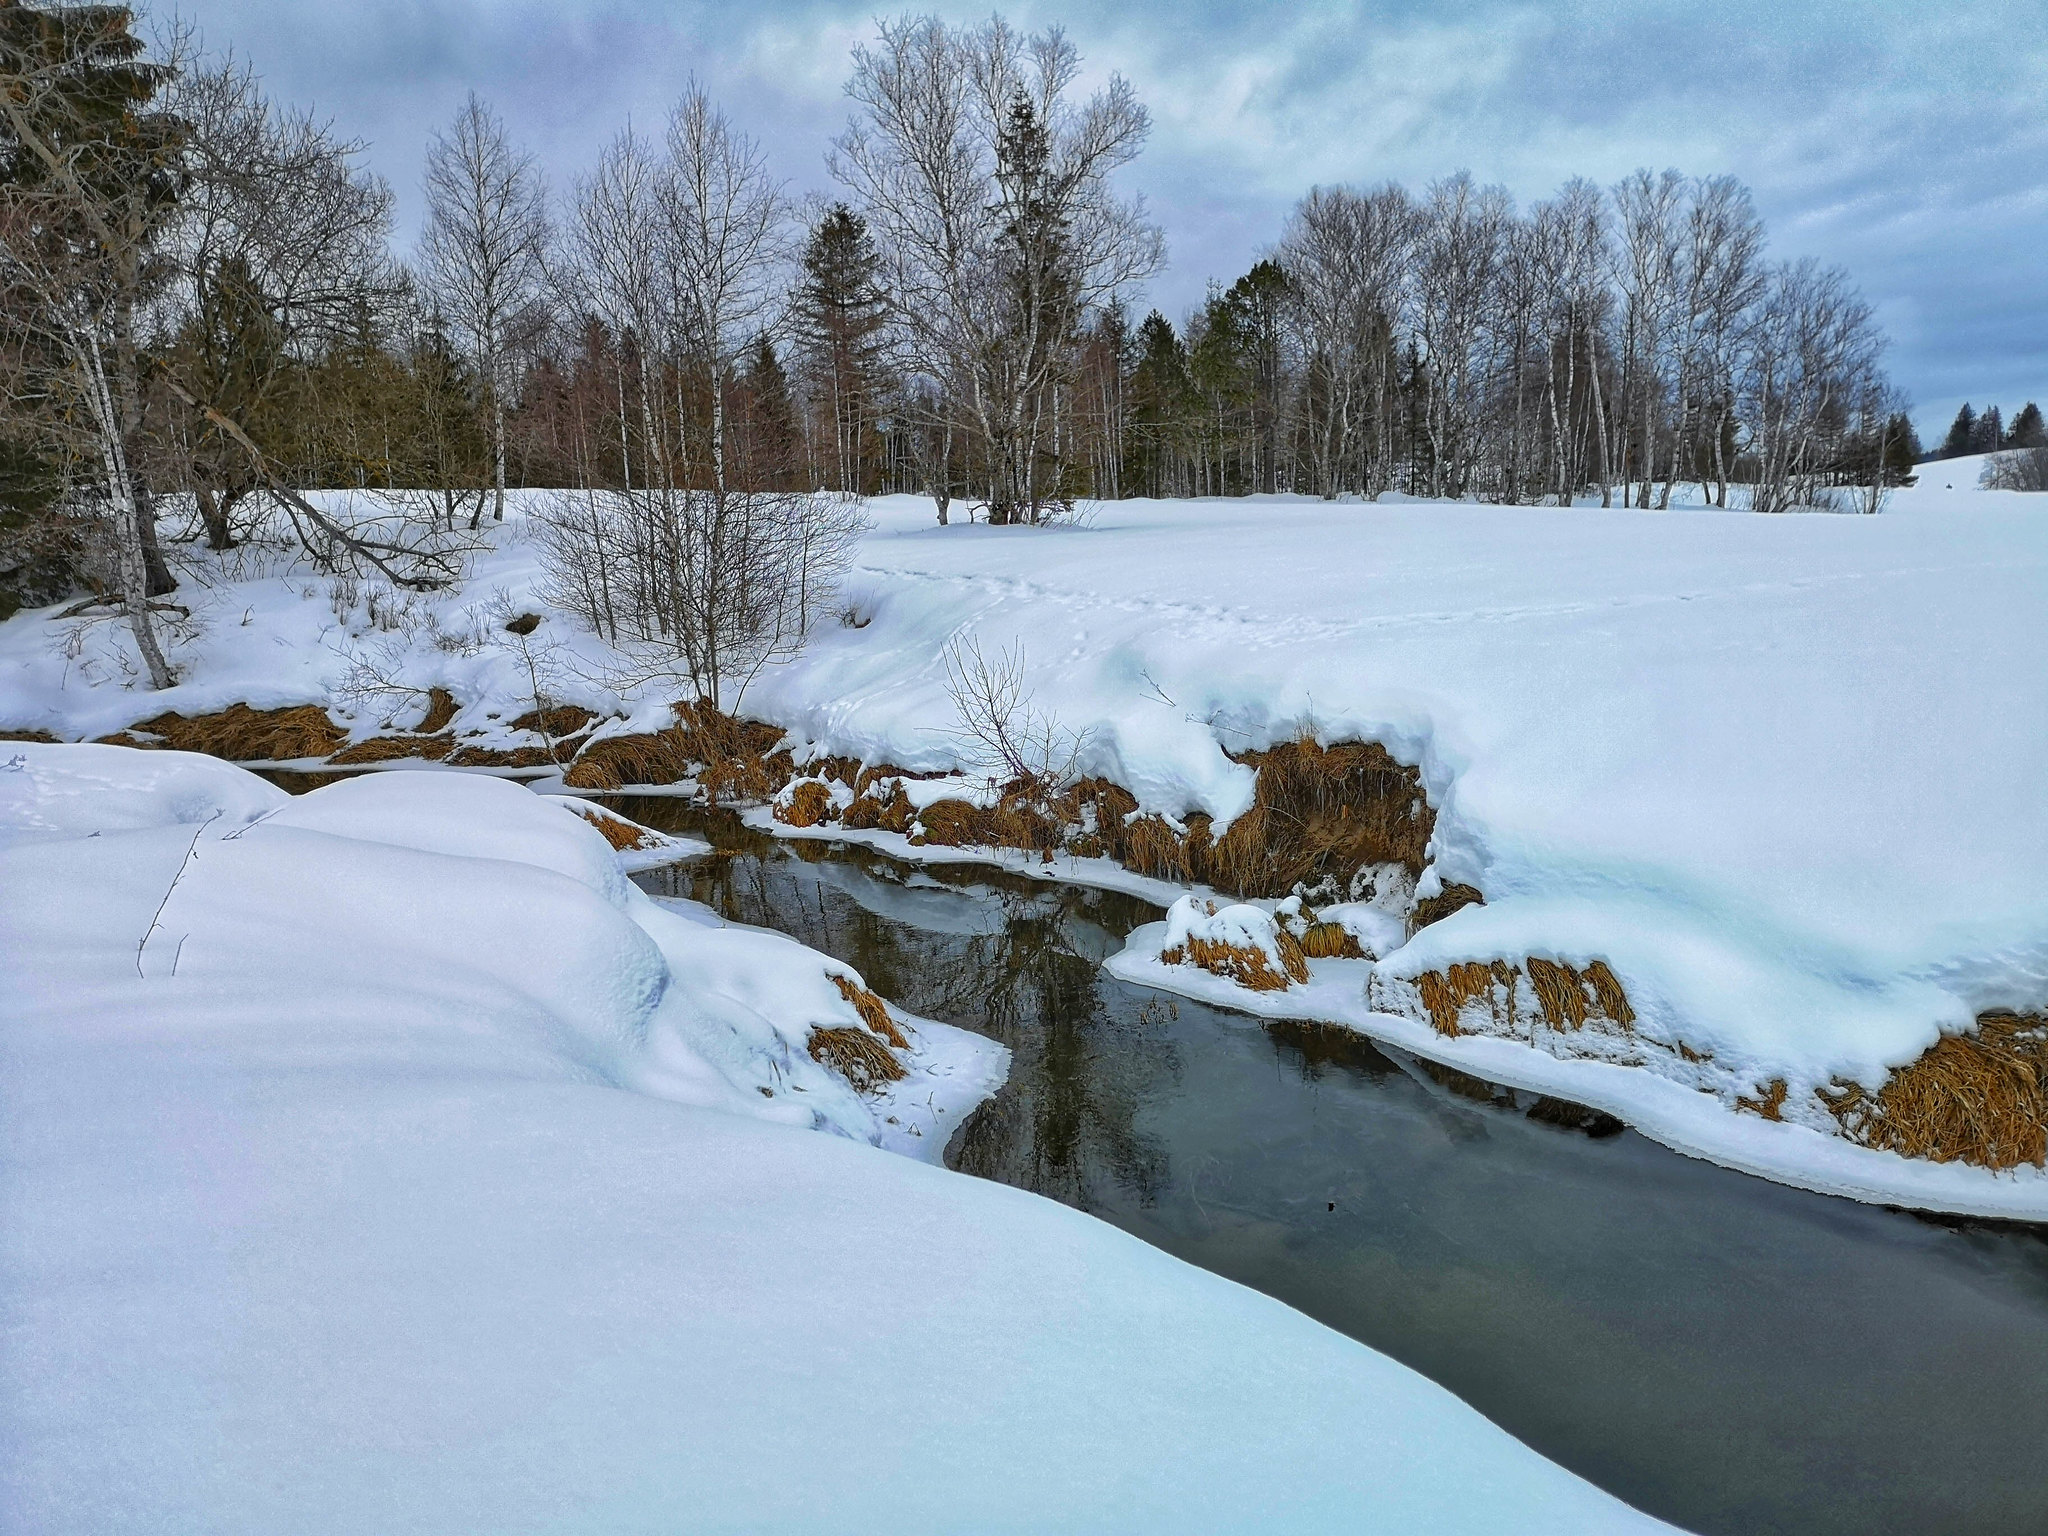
pixel 482 249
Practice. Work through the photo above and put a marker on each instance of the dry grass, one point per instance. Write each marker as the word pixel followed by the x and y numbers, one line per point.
pixel 241 734
pixel 1244 964
pixel 624 836
pixel 556 721
pixel 855 1055
pixel 1447 993
pixel 1330 941
pixel 1980 1098
pixel 503 757
pixel 872 1010
pixel 846 770
pixel 891 814
pixel 38 736
pixel 1153 846
pixel 1569 996
pixel 1770 1103
pixel 1434 909
pixel 385 749
pixel 809 804
pixel 953 824
pixel 732 759
pixel 441 708
pixel 1320 812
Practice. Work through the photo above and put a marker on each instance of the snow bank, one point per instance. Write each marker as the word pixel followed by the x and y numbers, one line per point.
pixel 331 1206
pixel 1779 773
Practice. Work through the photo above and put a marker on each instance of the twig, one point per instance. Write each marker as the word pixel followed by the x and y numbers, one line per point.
pixel 191 853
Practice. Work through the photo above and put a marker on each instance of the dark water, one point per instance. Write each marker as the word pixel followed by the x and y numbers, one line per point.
pixel 1727 1354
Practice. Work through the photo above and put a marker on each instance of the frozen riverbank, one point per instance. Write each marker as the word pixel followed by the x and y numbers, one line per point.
pixel 404 1169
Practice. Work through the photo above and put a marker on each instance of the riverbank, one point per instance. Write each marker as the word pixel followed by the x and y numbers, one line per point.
pixel 381 1159
pixel 1772 778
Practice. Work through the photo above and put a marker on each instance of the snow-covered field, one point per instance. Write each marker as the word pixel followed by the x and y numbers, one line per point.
pixel 1783 775
pixel 382 1160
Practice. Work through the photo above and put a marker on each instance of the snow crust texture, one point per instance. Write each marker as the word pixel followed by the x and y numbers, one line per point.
pixel 382 1160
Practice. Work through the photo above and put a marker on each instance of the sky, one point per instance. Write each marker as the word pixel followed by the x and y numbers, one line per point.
pixel 1906 142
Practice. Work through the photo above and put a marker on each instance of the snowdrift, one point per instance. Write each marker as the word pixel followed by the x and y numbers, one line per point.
pixel 381 1159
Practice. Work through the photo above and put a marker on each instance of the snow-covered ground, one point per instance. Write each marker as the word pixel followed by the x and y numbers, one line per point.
pixel 382 1160
pixel 1782 774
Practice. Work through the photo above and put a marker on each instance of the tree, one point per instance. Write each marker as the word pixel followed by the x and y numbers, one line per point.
pixel 986 187
pixel 1962 434
pixel 482 250
pixel 90 174
pixel 841 310
pixel 1988 436
pixel 2027 429
pixel 280 250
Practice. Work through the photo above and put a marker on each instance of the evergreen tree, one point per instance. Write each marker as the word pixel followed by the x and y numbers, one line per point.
pixel 1989 435
pixel 2027 430
pixel 1901 450
pixel 1161 400
pixel 766 440
pixel 841 310
pixel 1961 433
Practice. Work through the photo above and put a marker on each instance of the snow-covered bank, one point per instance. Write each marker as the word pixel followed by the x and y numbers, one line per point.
pixel 1781 776
pixel 405 1169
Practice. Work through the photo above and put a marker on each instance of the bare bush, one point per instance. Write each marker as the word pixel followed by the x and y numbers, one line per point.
pixel 2023 469
pixel 706 586
pixel 1002 726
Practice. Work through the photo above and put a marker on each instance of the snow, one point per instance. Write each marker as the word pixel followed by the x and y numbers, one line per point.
pixel 380 1159
pixel 1781 774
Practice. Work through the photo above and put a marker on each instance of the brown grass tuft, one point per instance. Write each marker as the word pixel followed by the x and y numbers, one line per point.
pixel 1558 993
pixel 556 721
pixel 954 823
pixel 441 708
pixel 38 736
pixel 809 804
pixel 385 749
pixel 846 770
pixel 501 757
pixel 893 814
pixel 1152 846
pixel 1244 964
pixel 1770 1103
pixel 241 734
pixel 623 835
pixel 1322 812
pixel 855 1055
pixel 732 759
pixel 872 1010
pixel 1445 994
pixel 1330 941
pixel 1434 909
pixel 1980 1099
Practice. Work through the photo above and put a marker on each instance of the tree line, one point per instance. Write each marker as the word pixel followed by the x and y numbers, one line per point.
pixel 1971 433
pixel 201 300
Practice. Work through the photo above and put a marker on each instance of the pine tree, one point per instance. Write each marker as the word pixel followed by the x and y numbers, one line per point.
pixel 1989 435
pixel 2027 431
pixel 841 311
pixel 767 438
pixel 1162 398
pixel 1901 450
pixel 1961 433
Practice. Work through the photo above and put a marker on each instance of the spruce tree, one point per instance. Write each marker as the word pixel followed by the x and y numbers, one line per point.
pixel 841 311
pixel 2028 430
pixel 1961 433
pixel 1989 435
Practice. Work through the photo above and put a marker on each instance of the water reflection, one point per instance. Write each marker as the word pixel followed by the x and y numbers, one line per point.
pixel 1731 1355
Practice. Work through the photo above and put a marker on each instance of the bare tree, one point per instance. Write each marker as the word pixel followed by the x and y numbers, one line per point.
pixel 279 246
pixel 987 188
pixel 1346 255
pixel 1646 258
pixel 1810 363
pixel 482 250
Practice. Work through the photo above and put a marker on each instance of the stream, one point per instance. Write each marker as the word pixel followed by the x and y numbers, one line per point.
pixel 1729 1354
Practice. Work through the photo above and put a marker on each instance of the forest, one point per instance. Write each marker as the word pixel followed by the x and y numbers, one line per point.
pixel 204 314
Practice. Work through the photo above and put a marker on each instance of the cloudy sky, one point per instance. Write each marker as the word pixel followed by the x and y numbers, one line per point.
pixel 1908 142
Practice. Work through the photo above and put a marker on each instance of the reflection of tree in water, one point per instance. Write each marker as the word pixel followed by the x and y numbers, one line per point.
pixel 1085 1054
